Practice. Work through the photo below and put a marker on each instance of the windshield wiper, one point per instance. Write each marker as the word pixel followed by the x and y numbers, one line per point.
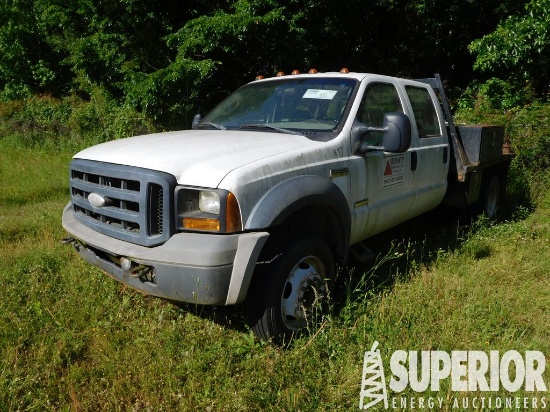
pixel 214 125
pixel 269 127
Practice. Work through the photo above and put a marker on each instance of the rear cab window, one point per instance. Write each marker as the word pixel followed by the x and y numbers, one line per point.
pixel 425 115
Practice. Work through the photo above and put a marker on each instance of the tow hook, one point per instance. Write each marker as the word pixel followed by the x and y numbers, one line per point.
pixel 67 239
pixel 139 272
pixel 142 272
pixel 71 240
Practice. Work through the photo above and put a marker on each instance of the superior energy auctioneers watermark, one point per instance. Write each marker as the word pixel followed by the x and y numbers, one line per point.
pixel 479 373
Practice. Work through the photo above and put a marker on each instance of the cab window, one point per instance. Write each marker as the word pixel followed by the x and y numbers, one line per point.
pixel 423 108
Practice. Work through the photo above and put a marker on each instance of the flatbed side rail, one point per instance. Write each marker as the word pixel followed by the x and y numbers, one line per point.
pixel 461 158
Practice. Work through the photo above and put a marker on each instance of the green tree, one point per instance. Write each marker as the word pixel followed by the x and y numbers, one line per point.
pixel 103 41
pixel 28 64
pixel 214 54
pixel 58 47
pixel 519 48
pixel 169 61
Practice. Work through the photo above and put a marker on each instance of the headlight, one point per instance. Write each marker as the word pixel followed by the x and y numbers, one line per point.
pixel 209 202
pixel 207 210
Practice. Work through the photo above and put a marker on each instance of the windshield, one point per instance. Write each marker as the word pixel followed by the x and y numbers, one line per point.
pixel 310 106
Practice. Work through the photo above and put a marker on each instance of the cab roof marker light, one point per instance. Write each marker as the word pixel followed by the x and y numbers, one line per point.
pixel 344 70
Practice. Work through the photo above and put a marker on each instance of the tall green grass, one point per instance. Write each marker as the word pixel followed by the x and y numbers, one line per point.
pixel 73 339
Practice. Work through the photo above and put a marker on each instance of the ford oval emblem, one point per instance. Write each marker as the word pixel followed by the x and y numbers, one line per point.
pixel 97 200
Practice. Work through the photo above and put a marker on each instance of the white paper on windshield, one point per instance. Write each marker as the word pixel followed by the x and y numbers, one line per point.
pixel 319 94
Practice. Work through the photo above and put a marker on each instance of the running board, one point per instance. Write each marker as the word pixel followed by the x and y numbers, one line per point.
pixel 361 252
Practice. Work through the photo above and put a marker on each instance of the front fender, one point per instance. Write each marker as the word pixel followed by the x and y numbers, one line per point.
pixel 293 194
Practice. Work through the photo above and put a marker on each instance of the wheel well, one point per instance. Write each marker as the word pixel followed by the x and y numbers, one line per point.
pixel 318 221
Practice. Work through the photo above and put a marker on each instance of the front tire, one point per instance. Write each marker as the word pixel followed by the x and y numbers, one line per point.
pixel 289 295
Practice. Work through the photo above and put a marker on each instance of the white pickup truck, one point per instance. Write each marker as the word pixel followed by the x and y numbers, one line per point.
pixel 274 187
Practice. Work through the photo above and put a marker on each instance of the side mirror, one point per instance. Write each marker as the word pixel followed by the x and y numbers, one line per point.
pixel 396 134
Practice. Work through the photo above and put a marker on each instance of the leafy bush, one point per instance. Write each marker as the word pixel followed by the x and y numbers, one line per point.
pixel 496 94
pixel 527 127
pixel 68 124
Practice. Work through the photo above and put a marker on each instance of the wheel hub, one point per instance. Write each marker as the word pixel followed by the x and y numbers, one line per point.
pixel 303 292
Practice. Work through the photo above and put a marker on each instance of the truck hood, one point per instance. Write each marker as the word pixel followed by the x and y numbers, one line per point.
pixel 195 157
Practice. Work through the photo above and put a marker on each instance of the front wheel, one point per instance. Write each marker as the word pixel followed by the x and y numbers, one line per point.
pixel 289 295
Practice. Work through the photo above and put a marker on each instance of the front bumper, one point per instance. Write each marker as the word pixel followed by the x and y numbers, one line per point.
pixel 206 269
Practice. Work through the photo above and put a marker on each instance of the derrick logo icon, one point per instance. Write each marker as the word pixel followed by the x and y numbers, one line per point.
pixel 373 385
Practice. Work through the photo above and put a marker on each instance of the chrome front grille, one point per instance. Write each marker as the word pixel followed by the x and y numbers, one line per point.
pixel 128 203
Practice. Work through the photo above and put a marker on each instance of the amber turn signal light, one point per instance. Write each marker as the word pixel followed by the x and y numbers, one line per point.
pixel 211 225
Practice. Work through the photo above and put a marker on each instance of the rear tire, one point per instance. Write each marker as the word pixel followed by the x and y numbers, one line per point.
pixel 289 295
pixel 490 197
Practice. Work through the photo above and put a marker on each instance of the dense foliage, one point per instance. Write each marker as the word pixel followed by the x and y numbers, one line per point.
pixel 90 71
pixel 168 61
pixel 519 48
